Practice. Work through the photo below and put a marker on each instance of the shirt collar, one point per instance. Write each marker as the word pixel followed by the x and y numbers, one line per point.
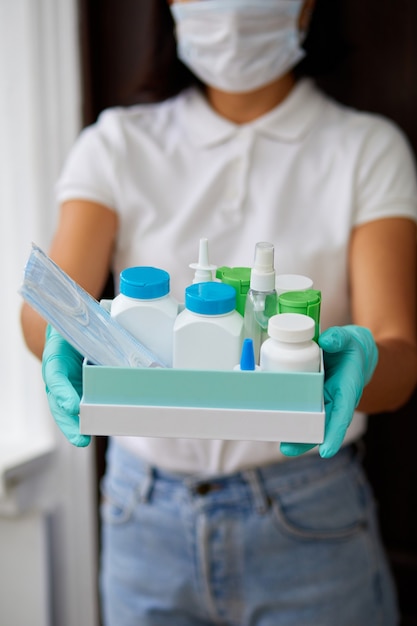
pixel 290 121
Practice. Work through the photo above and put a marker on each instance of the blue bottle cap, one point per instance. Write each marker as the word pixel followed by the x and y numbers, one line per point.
pixel 210 298
pixel 144 283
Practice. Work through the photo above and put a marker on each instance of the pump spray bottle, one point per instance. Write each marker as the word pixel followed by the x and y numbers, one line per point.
pixel 261 301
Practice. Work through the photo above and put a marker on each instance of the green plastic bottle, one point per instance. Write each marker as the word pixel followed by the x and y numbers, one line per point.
pixel 239 278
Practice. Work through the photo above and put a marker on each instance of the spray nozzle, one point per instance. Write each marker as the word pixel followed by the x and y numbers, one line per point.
pixel 263 273
pixel 264 257
pixel 203 269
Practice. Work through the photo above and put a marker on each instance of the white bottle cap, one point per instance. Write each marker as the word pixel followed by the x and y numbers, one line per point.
pixel 291 327
pixel 262 276
pixel 292 282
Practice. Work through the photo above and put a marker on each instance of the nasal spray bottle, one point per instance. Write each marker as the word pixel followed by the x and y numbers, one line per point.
pixel 203 269
pixel 261 301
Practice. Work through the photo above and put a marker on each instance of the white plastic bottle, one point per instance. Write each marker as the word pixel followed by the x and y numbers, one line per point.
pixel 290 347
pixel 146 309
pixel 261 300
pixel 208 333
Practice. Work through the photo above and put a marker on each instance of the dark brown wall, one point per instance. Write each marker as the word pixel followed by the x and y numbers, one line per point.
pixel 378 73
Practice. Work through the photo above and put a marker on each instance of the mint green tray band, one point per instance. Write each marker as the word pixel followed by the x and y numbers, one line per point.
pixel 196 388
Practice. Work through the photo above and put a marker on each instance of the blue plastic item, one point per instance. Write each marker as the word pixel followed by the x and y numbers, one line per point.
pixel 144 282
pixel 247 360
pixel 78 317
pixel 210 298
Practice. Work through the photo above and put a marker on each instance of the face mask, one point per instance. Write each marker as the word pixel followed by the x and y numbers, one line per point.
pixel 238 45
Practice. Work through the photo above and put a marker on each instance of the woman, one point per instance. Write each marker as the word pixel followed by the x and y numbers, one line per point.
pixel 216 532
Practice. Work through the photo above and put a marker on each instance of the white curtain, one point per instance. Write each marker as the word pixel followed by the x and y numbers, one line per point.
pixel 39 119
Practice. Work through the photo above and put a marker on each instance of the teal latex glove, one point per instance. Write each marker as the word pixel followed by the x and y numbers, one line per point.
pixel 62 373
pixel 350 358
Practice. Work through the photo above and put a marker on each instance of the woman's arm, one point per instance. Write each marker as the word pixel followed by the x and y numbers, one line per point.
pixel 383 281
pixel 82 247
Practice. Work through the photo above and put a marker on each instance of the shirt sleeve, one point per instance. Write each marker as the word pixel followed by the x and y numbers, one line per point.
pixel 89 172
pixel 386 174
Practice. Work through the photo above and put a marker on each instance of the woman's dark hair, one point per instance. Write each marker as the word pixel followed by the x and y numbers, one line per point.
pixel 162 74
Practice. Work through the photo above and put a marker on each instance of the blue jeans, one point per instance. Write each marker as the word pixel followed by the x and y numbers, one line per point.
pixel 294 543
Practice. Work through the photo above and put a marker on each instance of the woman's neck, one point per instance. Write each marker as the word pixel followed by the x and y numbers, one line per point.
pixel 241 108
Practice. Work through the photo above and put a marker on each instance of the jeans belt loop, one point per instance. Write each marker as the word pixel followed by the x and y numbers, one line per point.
pixel 260 498
pixel 146 485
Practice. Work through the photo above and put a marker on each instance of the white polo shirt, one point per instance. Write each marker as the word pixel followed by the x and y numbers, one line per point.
pixel 301 176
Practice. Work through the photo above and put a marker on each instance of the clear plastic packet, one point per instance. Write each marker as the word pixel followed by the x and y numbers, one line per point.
pixel 78 317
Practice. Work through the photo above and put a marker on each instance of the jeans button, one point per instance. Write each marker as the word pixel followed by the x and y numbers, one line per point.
pixel 203 489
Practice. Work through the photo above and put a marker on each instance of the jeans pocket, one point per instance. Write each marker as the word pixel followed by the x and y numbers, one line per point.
pixel 334 507
pixel 119 497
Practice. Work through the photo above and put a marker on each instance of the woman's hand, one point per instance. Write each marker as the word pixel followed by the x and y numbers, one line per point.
pixel 62 374
pixel 350 358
